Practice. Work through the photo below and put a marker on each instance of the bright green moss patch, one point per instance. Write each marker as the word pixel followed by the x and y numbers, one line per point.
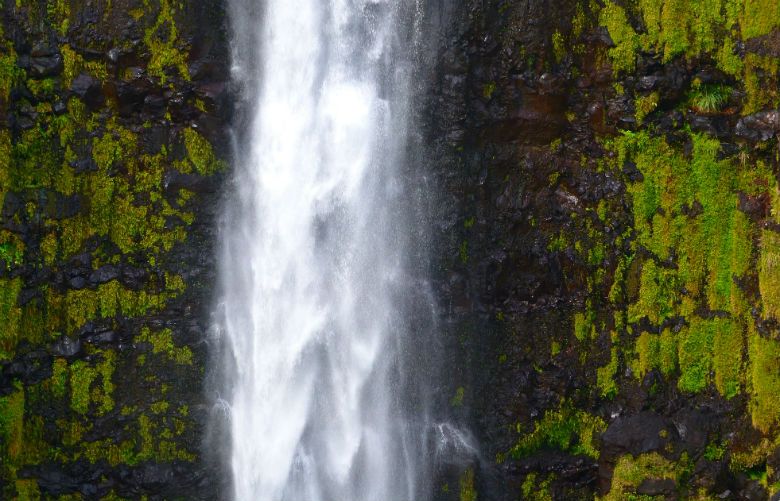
pixel 568 429
pixel 658 296
pixel 81 377
pixel 656 352
pixel 695 355
pixel 623 55
pixel 162 41
pixel 727 357
pixel 691 28
pixel 769 274
pixel 759 17
pixel 765 381
pixel 93 384
pixel 585 324
pixel 162 343
pixel 713 244
pixel 201 153
pixel 631 471
pixel 645 105
pixel 605 376
pixel 696 247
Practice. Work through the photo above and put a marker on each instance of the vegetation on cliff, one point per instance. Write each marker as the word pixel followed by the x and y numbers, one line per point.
pixel 99 155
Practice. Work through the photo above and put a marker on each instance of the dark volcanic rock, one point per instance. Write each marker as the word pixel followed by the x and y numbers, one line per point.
pixel 46 66
pixel 759 126
pixel 89 89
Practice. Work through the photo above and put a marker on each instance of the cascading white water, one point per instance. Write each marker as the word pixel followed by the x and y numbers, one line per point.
pixel 313 264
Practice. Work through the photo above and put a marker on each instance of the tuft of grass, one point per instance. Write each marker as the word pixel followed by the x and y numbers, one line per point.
pixel 709 98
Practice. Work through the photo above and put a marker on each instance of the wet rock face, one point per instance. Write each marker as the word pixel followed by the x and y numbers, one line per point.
pixel 606 236
pixel 112 147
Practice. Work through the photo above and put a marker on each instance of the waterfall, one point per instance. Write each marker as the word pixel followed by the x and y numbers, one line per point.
pixel 324 397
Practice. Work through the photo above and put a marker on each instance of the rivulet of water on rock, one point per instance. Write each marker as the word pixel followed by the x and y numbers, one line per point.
pixel 314 260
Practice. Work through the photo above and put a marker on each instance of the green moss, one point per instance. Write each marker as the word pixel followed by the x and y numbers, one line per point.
pixel 82 376
pixel 584 324
pixel 623 55
pixel 162 343
pixel 759 17
pixel 728 60
pixel 644 105
pixel 695 355
pixel 10 316
pixel 457 399
pixel 10 74
pixel 558 243
pixel 59 14
pixel 631 471
pixel 160 407
pixel 59 378
pixel 122 453
pixel 74 64
pixel 768 273
pixel 152 447
pixel 103 396
pixel 162 40
pixel 535 490
pixel 714 452
pixel 765 381
pixel 727 362
pixel 12 423
pixel 760 79
pixel 656 352
pixel 698 245
pixel 467 489
pixel 463 252
pixel 658 296
pixel 605 376
pixel 567 429
pixel 488 90
pixel 28 490
pixel 559 46
pixel 201 154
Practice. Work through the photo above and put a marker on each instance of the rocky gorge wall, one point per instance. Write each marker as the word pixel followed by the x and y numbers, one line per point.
pixel 606 229
pixel 112 133
pixel 609 240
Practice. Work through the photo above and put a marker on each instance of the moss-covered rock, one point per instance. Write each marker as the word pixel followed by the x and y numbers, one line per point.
pixel 104 245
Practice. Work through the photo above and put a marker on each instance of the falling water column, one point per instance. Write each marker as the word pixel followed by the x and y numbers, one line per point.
pixel 314 257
